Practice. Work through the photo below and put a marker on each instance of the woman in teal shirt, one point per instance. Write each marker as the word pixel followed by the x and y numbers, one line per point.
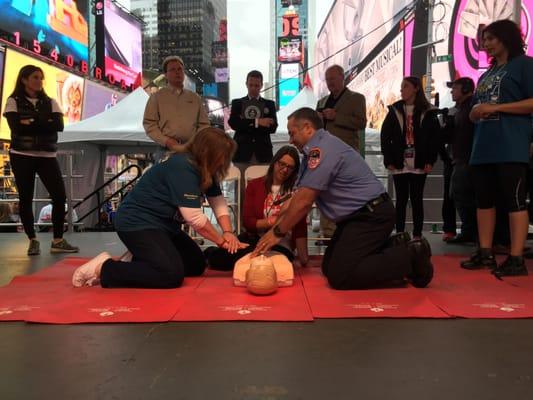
pixel 500 152
pixel 149 219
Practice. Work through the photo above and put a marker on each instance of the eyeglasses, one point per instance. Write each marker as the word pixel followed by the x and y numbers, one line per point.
pixel 283 165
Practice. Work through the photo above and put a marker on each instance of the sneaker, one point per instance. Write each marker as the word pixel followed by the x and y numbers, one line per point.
pixel 512 266
pixel 63 247
pixel 88 274
pixel 34 248
pixel 479 261
pixel 422 268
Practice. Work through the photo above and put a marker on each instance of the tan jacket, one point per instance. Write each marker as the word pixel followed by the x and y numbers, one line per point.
pixel 179 116
pixel 350 117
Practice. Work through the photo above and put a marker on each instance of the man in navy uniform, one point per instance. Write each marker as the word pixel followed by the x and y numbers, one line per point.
pixel 361 254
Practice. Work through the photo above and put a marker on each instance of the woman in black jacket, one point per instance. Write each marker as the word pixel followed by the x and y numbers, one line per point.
pixel 34 120
pixel 409 144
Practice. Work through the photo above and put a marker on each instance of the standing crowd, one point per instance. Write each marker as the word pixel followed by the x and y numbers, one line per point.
pixel 484 141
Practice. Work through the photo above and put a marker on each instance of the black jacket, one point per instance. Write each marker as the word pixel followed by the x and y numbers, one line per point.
pixel 427 133
pixel 41 133
pixel 250 139
pixel 459 133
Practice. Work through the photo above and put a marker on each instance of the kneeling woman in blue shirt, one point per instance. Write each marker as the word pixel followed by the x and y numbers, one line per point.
pixel 148 221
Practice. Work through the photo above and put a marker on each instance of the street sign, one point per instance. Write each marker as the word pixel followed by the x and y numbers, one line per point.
pixel 445 58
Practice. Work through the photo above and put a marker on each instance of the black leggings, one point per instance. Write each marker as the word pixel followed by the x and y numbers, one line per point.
pixel 161 260
pixel 24 168
pixel 410 186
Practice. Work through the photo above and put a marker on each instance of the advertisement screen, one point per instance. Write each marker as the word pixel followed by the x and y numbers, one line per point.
pixel 220 54
pixel 57 29
pixel 380 80
pixel 288 89
pixel 98 98
pixel 357 26
pixel 123 44
pixel 64 87
pixel 290 49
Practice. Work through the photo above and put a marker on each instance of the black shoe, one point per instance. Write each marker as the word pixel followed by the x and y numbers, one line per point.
pixel 422 268
pixel 512 266
pixel 460 239
pixel 398 239
pixel 479 261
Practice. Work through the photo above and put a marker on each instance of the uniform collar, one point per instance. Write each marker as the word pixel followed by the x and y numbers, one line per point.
pixel 314 141
pixel 253 98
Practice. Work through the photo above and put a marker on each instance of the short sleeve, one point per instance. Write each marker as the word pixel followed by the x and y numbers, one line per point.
pixel 214 190
pixel 56 108
pixel 321 169
pixel 11 105
pixel 528 77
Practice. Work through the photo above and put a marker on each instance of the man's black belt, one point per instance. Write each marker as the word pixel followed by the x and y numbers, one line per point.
pixel 372 204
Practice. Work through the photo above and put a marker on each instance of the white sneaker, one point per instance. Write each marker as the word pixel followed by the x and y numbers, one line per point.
pixel 85 275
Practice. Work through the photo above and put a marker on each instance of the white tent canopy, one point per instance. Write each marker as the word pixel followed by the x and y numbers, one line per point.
pixel 305 98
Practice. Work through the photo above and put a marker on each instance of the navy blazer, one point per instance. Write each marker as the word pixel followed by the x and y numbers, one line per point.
pixel 252 140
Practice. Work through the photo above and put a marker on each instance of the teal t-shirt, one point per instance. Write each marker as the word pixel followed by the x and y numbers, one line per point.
pixel 504 138
pixel 153 203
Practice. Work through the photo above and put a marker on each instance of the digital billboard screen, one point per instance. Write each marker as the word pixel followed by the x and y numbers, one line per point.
pixel 56 29
pixel 98 98
pixel 64 87
pixel 123 44
pixel 290 49
pixel 351 32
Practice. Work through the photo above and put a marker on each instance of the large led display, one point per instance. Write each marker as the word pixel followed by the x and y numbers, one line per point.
pixel 379 75
pixel 61 85
pixel 357 26
pixel 98 98
pixel 123 44
pixel 56 29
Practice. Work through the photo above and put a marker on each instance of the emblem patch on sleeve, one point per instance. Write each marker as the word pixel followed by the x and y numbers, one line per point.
pixel 314 158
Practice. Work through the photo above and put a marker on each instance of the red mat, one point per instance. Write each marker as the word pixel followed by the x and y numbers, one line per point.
pixel 48 297
pixel 477 294
pixel 217 299
pixel 405 302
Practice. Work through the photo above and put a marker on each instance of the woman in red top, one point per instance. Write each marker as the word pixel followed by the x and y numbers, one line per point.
pixel 263 200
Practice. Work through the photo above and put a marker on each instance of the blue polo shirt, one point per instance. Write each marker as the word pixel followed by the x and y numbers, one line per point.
pixel 345 181
pixel 153 202
pixel 504 138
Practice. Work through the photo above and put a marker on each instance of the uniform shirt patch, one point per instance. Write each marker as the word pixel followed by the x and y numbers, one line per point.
pixel 314 158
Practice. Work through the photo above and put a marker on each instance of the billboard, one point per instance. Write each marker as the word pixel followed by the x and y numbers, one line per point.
pixel 122 45
pixel 288 89
pixel 56 29
pixel 98 98
pixel 379 79
pixel 219 54
pixel 290 49
pixel 357 26
pixel 64 87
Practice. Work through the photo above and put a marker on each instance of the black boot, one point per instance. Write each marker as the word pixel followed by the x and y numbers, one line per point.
pixel 398 239
pixel 512 266
pixel 482 258
pixel 422 268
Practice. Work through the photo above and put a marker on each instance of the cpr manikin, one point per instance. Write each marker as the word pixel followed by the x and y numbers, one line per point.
pixel 280 264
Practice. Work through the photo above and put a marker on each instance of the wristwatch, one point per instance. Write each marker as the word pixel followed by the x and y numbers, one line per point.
pixel 277 232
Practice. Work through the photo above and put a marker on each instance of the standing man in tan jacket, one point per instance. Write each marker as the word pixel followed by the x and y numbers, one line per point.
pixel 174 114
pixel 344 115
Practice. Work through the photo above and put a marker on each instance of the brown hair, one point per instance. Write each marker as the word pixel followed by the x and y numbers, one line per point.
pixel 288 185
pixel 212 151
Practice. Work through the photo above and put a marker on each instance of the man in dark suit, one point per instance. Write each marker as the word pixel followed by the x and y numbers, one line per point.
pixel 254 119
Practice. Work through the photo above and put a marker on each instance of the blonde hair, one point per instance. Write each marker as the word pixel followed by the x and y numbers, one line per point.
pixel 212 150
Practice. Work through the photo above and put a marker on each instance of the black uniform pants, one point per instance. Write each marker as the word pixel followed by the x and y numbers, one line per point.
pixel 357 257
pixel 24 169
pixel 448 205
pixel 410 186
pixel 161 260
